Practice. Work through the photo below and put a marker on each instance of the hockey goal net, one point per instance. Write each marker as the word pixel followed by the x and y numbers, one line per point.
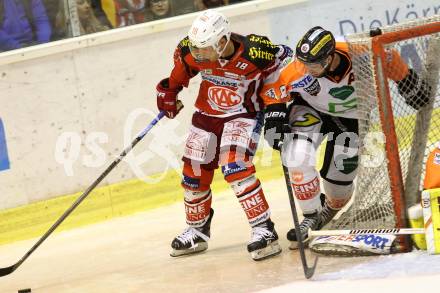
pixel 395 137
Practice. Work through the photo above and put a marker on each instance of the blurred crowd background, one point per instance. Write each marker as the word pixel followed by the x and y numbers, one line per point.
pixel 29 22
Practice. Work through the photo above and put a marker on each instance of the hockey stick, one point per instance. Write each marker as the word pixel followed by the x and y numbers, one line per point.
pixel 139 137
pixel 308 271
pixel 392 231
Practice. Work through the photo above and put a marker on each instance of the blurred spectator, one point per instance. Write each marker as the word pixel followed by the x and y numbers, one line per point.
pixel 23 23
pixel 99 12
pixel 159 9
pixel 205 4
pixel 183 7
pixel 88 21
pixel 124 12
pixel 52 8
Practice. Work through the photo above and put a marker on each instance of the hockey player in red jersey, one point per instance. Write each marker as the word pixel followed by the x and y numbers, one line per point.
pixel 319 83
pixel 225 126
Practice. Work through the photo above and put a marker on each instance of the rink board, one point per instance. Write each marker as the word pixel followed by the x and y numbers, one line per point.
pixel 114 200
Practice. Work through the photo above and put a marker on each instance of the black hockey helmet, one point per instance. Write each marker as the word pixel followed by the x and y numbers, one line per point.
pixel 316 45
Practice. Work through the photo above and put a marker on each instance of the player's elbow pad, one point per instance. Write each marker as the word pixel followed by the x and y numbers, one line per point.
pixel 414 90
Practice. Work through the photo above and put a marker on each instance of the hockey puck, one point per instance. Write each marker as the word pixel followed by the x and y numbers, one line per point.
pixel 28 290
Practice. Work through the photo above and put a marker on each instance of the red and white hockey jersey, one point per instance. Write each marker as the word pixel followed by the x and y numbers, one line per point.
pixel 233 88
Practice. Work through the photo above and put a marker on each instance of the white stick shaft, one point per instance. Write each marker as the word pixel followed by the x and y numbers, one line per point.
pixel 394 231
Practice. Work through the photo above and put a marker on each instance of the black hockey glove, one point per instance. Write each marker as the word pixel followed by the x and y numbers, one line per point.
pixel 276 124
pixel 414 90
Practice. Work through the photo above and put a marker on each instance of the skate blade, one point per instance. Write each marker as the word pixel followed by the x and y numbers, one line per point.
pixel 199 247
pixel 271 250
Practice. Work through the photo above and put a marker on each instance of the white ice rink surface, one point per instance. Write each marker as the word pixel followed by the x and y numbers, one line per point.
pixel 131 254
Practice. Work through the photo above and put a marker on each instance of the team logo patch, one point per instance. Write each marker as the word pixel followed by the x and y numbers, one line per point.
pixel 306 120
pixel 271 93
pixel 342 93
pixel 314 88
pixel 297 176
pixel 305 48
pixel 196 147
pixel 238 132
pixel 223 98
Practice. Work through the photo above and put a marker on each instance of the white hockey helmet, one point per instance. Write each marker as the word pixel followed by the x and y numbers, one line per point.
pixel 208 29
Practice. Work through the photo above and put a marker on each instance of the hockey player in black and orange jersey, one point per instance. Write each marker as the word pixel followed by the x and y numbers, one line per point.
pixel 225 127
pixel 320 82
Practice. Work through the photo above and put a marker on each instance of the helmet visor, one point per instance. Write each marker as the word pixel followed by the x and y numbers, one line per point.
pixel 317 68
pixel 205 54
pixel 316 64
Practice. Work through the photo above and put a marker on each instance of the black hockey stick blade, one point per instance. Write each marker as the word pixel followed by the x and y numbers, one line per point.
pixel 8 270
pixel 310 271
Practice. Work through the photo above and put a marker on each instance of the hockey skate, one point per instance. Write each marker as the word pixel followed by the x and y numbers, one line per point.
pixel 327 213
pixel 310 221
pixel 264 241
pixel 323 218
pixel 192 240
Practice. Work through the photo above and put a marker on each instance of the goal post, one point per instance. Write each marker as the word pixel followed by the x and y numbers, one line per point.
pixel 396 134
